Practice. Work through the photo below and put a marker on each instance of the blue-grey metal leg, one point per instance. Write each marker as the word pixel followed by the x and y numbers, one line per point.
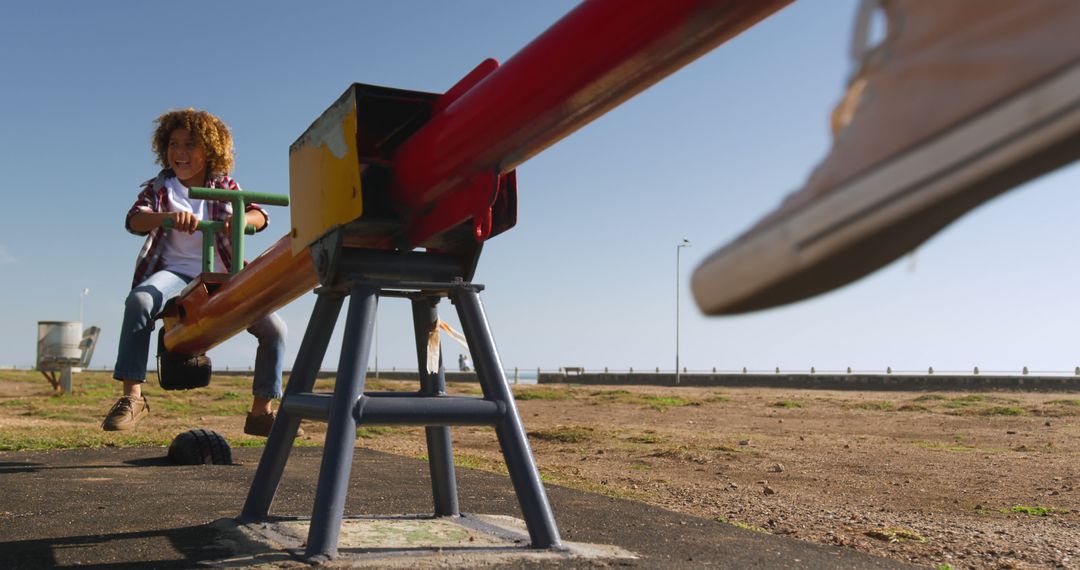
pixel 302 379
pixel 543 533
pixel 341 425
pixel 440 448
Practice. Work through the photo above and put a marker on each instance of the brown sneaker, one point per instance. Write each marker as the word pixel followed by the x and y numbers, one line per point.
pixel 260 425
pixel 125 413
pixel 959 102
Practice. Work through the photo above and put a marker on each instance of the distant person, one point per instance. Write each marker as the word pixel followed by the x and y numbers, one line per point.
pixel 463 363
pixel 958 102
pixel 195 149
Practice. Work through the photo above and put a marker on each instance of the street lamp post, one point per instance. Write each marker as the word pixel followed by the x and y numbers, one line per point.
pixel 82 297
pixel 678 272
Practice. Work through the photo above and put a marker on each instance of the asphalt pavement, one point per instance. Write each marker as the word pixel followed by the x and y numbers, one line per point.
pixel 132 508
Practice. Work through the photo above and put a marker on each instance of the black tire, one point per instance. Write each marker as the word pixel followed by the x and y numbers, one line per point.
pixel 200 447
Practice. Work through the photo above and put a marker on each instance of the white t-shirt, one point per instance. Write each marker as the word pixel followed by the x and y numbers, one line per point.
pixel 182 252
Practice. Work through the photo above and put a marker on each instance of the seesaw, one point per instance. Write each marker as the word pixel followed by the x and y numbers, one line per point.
pixel 393 194
pixel 185 372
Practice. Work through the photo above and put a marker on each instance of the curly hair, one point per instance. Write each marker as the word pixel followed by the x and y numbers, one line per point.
pixel 213 133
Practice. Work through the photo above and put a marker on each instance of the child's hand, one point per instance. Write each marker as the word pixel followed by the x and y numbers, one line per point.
pixel 185 222
pixel 247 222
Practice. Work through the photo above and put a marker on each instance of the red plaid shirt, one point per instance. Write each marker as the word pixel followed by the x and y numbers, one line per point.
pixel 155 198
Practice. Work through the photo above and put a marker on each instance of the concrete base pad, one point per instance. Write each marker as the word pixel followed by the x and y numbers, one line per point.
pixel 405 541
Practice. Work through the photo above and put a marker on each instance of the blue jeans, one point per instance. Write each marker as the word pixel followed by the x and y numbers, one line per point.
pixel 143 304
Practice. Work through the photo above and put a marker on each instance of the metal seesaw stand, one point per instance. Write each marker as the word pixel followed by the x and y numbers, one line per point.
pixel 365 275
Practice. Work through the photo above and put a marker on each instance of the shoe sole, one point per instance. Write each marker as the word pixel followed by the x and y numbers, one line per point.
pixel 886 212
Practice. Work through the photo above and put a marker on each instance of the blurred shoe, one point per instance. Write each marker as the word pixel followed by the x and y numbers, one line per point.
pixel 125 413
pixel 261 425
pixel 958 103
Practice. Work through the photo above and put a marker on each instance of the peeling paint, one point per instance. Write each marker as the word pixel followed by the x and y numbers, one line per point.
pixel 329 129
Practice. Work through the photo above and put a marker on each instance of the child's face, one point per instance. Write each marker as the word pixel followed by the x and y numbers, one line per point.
pixel 187 158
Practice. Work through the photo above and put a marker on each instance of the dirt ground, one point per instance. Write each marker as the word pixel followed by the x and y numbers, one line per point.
pixel 945 480
pixel 964 480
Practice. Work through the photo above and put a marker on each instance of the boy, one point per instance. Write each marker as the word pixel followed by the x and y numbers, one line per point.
pixel 194 149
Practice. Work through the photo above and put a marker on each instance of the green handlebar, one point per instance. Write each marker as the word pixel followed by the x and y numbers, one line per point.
pixel 212 227
pixel 245 196
pixel 208 230
pixel 239 201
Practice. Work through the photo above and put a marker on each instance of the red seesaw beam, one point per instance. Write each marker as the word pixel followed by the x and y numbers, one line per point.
pixel 600 54
pixel 594 58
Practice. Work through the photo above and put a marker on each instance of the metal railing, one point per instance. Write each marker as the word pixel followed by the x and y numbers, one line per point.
pixel 532 373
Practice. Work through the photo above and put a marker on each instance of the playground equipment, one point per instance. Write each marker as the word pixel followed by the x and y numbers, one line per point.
pixel 185 372
pixel 64 348
pixel 404 169
pixel 208 229
pixel 179 371
pixel 394 192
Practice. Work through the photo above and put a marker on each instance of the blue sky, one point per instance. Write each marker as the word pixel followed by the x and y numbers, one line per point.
pixel 588 277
